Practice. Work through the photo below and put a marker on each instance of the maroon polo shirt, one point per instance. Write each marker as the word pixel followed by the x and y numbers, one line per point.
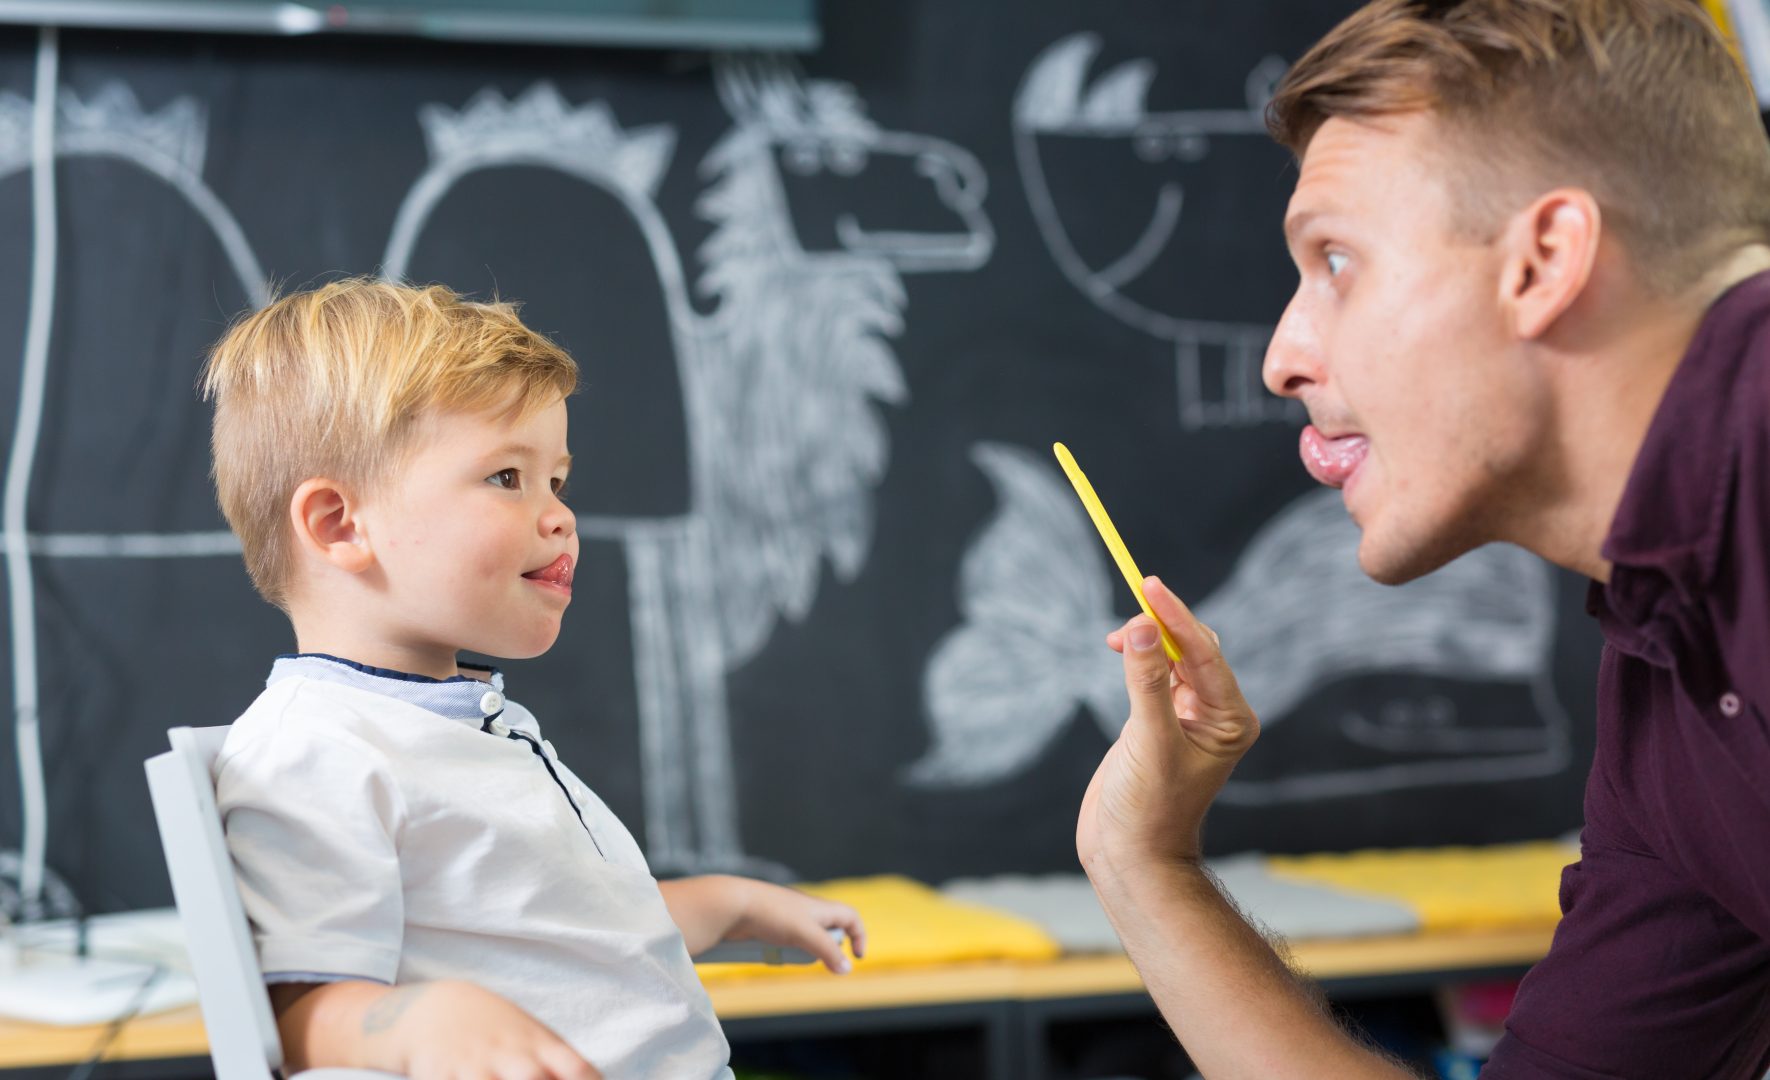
pixel 1660 968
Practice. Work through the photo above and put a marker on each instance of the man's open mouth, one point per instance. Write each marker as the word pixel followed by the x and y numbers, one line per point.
pixel 1332 459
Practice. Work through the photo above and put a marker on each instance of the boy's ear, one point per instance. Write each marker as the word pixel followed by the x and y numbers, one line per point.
pixel 324 518
pixel 1551 247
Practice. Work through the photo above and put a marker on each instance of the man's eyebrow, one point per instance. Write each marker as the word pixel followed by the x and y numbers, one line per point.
pixel 1294 225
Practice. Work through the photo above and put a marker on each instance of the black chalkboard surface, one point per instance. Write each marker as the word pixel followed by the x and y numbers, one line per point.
pixel 838 611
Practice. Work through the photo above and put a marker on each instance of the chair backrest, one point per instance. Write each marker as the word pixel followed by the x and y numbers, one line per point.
pixel 242 1030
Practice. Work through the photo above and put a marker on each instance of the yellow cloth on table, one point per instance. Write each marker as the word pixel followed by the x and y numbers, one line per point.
pixel 1450 888
pixel 911 925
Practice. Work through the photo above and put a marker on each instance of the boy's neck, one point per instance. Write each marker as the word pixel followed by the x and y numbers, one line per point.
pixel 372 652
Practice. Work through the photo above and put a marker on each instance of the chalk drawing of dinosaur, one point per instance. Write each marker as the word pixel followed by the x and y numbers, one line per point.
pixel 1296 615
pixel 781 383
pixel 1145 283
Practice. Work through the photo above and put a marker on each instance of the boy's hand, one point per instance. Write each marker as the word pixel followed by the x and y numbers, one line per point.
pixel 790 918
pixel 425 1031
pixel 459 1031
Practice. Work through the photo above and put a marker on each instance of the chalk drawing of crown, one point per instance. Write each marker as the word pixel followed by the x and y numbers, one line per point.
pixel 538 125
pixel 110 122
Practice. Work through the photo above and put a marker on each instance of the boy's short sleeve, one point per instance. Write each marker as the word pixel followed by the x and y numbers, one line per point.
pixel 312 823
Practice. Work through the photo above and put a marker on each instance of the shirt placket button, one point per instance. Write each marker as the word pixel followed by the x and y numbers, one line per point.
pixel 1730 704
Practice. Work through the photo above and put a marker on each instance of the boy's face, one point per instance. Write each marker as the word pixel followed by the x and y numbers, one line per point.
pixel 1426 411
pixel 473 547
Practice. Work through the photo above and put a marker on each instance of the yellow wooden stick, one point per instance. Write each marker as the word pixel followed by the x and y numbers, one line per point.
pixel 1133 578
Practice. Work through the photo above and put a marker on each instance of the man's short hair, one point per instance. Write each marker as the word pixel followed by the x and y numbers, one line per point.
pixel 328 382
pixel 1638 102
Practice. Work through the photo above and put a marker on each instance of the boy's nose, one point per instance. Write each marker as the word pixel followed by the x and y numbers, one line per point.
pixel 559 520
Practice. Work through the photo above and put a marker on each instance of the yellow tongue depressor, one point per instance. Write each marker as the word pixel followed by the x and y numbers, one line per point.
pixel 1133 578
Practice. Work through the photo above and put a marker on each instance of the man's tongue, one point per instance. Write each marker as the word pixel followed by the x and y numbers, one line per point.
pixel 1332 461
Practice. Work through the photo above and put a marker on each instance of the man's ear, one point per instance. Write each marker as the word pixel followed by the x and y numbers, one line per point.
pixel 326 525
pixel 1551 247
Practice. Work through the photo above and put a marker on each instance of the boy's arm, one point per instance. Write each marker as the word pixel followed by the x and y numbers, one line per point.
pixel 704 908
pixel 718 907
pixel 426 1031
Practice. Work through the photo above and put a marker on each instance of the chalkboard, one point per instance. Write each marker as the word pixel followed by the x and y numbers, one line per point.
pixel 838 612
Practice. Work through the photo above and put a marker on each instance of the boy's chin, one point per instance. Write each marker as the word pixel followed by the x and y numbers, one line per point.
pixel 514 648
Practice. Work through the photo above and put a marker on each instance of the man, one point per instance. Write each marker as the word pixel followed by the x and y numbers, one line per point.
pixel 1531 237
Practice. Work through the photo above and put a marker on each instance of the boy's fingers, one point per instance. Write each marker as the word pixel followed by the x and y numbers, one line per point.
pixel 565 1064
pixel 848 921
pixel 1116 641
pixel 819 944
pixel 518 1066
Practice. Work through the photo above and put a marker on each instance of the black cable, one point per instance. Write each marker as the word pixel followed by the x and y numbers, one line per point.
pixel 83 1071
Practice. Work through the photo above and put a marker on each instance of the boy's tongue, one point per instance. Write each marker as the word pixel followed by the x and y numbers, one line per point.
pixel 1332 461
pixel 559 571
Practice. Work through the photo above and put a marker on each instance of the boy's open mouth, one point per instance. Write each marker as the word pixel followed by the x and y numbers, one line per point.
pixel 558 572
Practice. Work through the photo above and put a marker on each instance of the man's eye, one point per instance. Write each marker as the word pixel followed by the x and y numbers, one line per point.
pixel 505 478
pixel 1336 262
pixel 560 487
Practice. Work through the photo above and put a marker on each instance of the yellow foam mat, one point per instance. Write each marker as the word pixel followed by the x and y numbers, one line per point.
pixel 911 925
pixel 1450 888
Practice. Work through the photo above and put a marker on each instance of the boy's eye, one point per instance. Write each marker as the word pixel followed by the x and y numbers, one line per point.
pixel 560 486
pixel 505 478
pixel 1336 262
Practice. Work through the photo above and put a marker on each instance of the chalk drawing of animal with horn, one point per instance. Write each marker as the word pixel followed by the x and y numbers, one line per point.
pixel 1089 154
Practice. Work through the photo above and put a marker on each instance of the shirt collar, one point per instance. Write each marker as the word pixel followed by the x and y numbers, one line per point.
pixel 459 697
pixel 1666 538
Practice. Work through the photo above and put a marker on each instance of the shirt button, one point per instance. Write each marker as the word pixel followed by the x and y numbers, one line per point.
pixel 499 728
pixel 547 748
pixel 1730 704
pixel 490 702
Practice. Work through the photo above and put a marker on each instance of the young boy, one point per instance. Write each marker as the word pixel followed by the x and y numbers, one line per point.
pixel 432 892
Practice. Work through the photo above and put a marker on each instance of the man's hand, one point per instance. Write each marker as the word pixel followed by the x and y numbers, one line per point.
pixel 790 918
pixel 425 1031
pixel 1189 725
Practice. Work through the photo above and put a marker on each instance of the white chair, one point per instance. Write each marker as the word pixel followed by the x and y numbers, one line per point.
pixel 242 1031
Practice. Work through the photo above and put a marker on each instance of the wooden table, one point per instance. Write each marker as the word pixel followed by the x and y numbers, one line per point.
pixel 783 1004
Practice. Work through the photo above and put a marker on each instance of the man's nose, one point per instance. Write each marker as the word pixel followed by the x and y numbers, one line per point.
pixel 1293 356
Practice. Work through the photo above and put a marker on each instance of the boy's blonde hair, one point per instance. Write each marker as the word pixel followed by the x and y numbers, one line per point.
pixel 328 383
pixel 1637 101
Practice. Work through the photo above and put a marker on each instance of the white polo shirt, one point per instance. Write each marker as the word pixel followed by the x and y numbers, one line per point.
pixel 402 829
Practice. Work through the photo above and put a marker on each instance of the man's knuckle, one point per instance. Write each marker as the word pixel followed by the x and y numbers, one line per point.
pixel 1152 680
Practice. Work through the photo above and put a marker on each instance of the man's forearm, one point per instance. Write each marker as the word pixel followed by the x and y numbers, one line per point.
pixel 1231 1001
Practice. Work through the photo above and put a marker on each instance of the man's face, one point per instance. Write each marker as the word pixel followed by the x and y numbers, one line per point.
pixel 475 548
pixel 1426 413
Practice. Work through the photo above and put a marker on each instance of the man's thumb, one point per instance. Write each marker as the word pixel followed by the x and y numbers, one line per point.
pixel 1146 665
